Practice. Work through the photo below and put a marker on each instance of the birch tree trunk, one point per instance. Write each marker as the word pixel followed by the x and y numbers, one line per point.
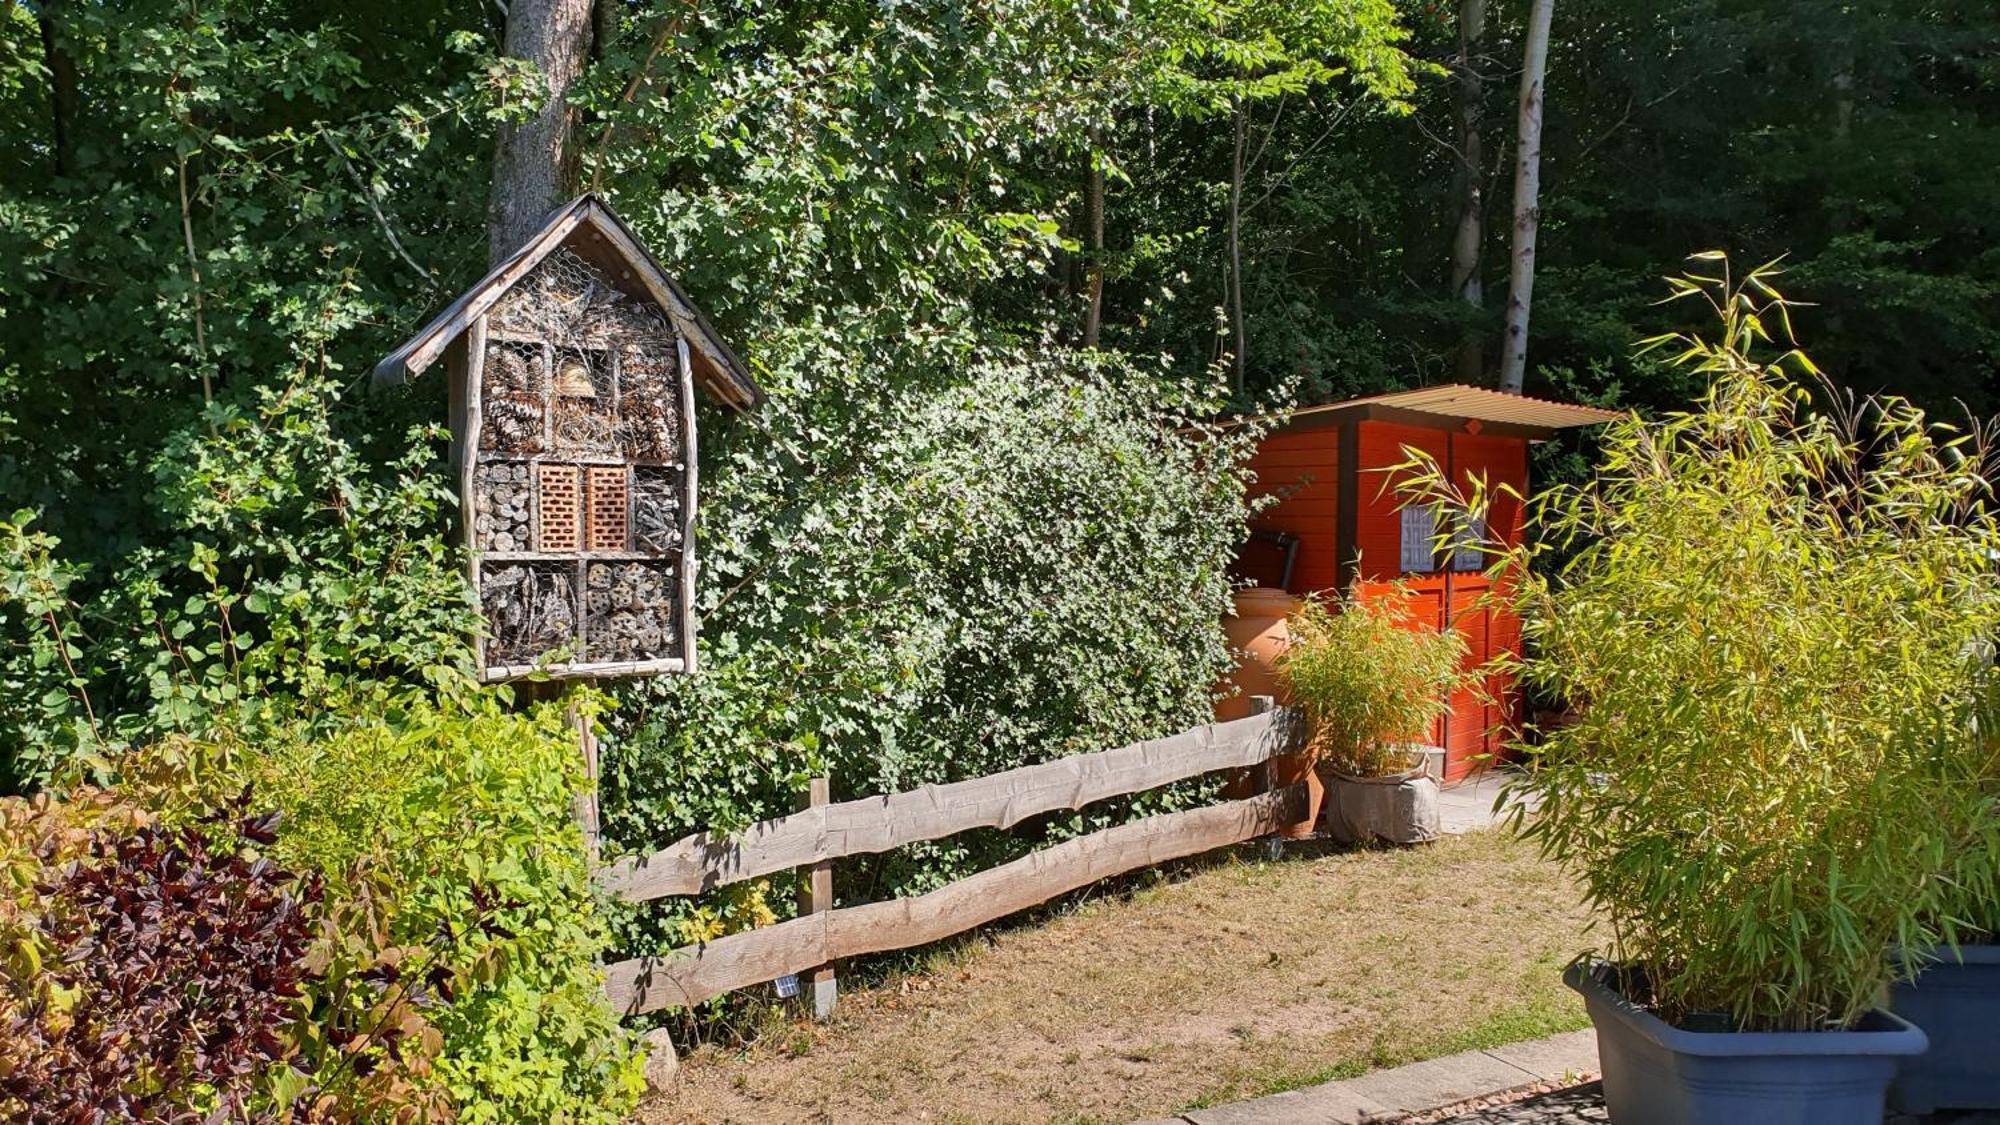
pixel 1238 359
pixel 1468 241
pixel 535 162
pixel 1527 195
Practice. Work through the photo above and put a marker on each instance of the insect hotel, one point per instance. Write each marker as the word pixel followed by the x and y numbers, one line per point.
pixel 573 368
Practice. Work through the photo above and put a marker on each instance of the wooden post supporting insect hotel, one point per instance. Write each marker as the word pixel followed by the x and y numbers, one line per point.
pixel 573 371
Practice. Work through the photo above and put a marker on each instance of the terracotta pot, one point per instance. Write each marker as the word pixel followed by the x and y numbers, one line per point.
pixel 1257 630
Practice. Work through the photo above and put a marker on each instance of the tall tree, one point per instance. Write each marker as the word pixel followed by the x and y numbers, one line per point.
pixel 1527 196
pixel 1468 239
pixel 62 88
pixel 535 160
pixel 1240 345
pixel 1093 271
pixel 1211 57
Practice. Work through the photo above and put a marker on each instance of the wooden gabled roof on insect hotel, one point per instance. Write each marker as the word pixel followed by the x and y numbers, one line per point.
pixel 589 227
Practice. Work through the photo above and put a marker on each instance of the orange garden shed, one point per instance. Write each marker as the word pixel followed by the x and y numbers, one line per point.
pixel 1336 525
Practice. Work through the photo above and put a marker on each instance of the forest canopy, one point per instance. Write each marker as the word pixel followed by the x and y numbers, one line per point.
pixel 1074 228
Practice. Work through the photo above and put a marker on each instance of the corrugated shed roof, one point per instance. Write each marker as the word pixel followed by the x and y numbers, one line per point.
pixel 1458 400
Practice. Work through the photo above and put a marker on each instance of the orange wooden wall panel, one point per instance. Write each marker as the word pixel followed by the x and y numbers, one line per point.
pixel 1301 468
pixel 1378 529
pixel 1473 728
pixel 1499 461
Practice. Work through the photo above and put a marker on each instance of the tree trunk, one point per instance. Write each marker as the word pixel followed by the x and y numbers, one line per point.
pixel 535 162
pixel 1843 94
pixel 62 88
pixel 1527 195
pixel 1093 270
pixel 1469 241
pixel 1238 359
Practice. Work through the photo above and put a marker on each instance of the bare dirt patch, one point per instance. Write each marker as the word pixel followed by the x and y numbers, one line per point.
pixel 1243 978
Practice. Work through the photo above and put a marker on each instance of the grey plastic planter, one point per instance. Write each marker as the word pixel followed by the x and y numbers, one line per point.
pixel 1657 1074
pixel 1956 1000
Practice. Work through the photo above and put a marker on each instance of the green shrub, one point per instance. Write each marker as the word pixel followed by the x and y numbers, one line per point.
pixel 1029 564
pixel 171 978
pixel 1368 678
pixel 298 571
pixel 1770 629
pixel 446 831
pixel 173 972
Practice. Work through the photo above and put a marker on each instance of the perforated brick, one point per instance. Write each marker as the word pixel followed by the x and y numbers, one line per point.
pixel 560 493
pixel 608 508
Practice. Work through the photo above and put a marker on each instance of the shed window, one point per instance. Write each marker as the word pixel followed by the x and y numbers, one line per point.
pixel 1418 551
pixel 1466 538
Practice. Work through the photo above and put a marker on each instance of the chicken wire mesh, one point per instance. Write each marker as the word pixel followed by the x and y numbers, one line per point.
pixel 580 454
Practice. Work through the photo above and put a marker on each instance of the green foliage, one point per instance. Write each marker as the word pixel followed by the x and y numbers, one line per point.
pixel 214 219
pixel 947 544
pixel 109 948
pixel 292 570
pixel 1851 142
pixel 1368 679
pixel 1853 139
pixel 446 831
pixel 1206 58
pixel 201 243
pixel 222 172
pixel 452 963
pixel 1773 629
pixel 1031 565
pixel 44 697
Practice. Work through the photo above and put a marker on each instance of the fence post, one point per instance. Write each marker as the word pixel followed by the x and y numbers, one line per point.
pixel 1267 776
pixel 816 897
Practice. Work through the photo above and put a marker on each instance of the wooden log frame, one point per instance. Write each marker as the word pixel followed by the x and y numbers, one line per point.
pixel 690 975
pixel 705 861
pixel 584 234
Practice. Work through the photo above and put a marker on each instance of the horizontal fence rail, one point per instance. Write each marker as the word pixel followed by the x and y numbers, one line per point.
pixel 690 975
pixel 878 824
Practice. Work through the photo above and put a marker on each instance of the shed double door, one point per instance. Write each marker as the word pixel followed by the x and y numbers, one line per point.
pixel 1473 729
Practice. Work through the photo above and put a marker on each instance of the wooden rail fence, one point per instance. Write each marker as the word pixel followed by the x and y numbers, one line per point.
pixel 823 832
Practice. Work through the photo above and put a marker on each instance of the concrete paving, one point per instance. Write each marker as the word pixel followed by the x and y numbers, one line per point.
pixel 1467 806
pixel 1584 1105
pixel 1386 1095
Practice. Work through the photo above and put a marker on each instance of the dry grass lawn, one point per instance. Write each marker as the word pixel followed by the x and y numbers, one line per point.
pixel 1236 979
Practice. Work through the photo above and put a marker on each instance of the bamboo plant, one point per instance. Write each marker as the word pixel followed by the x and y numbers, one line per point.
pixel 1367 679
pixel 1768 616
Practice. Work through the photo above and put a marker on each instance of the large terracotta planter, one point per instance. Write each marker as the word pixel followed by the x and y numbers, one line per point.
pixel 1256 630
